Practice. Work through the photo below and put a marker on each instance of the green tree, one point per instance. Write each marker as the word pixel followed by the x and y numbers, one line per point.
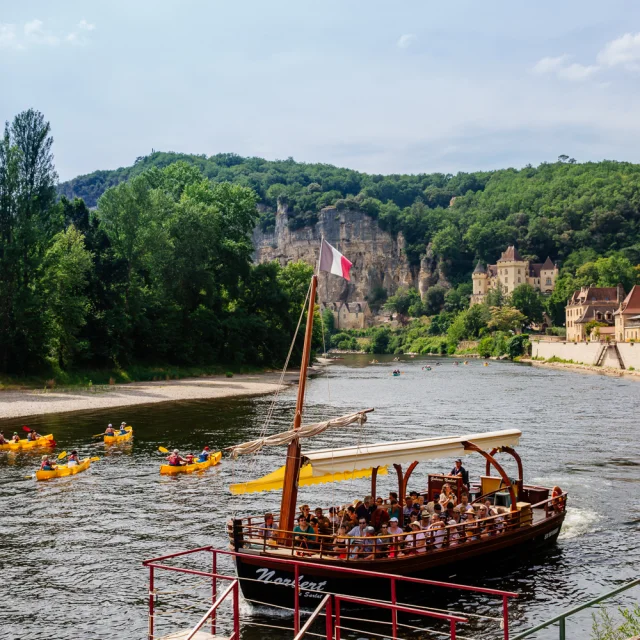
pixel 434 300
pixel 66 267
pixel 528 301
pixel 506 319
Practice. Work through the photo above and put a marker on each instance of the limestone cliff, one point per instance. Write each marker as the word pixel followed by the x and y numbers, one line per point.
pixel 378 258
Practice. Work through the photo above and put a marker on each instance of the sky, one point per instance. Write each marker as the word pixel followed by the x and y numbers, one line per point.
pixel 382 87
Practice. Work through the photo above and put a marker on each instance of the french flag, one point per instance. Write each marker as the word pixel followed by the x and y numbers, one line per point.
pixel 333 261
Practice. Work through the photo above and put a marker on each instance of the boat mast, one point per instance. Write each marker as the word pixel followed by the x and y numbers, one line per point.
pixel 292 465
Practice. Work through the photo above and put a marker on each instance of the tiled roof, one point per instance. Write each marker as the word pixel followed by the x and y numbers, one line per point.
pixel 534 269
pixel 595 294
pixel 510 255
pixel 479 268
pixel 548 265
pixel 631 304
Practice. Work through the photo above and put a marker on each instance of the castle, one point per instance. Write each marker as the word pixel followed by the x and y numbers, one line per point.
pixel 510 272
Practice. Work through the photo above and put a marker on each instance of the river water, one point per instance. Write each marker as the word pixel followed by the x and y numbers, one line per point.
pixel 71 549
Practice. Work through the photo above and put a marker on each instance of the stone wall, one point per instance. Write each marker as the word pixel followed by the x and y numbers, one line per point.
pixel 588 352
pixel 378 258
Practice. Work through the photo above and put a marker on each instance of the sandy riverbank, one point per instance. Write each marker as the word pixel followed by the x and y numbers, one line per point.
pixel 18 404
pixel 584 368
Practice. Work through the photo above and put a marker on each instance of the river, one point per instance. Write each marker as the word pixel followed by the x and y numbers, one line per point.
pixel 71 549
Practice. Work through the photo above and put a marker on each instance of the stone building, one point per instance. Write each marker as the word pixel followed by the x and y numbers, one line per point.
pixel 627 317
pixel 511 271
pixel 349 315
pixel 590 304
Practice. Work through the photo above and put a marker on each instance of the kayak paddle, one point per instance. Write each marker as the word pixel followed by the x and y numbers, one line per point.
pixel 163 450
pixel 25 428
pixel 62 455
pixel 94 459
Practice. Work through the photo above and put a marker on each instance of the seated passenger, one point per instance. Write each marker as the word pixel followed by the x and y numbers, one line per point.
pixel 394 509
pixel 47 464
pixel 189 458
pixel 416 541
pixel 15 438
pixel 367 546
pixel 31 436
pixel 324 524
pixel 204 455
pixel 383 544
pixel 379 516
pixel 2 438
pixel 558 501
pixel 464 504
pixel 303 533
pixel 408 506
pixel 397 542
pixel 350 518
pixel 305 512
pixel 110 431
pixel 490 510
pixel 446 495
pixel 340 542
pixel 73 460
pixel 267 530
pixel 455 537
pixel 358 530
pixel 437 531
pixel 425 519
pixel 450 513
pixel 123 430
pixel 334 519
pixel 175 459
pixel 472 529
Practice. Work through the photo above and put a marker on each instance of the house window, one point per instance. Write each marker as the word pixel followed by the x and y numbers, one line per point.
pixel 518 271
pixel 548 281
pixel 506 280
pixel 519 280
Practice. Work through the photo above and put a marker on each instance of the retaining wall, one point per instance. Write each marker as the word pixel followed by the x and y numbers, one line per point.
pixel 588 352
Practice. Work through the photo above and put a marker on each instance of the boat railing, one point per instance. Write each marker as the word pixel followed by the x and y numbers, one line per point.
pixel 378 546
pixel 329 605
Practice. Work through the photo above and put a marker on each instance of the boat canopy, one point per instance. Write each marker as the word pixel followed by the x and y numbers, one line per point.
pixel 333 465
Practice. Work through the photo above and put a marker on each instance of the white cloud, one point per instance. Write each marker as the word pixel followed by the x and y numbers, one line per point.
pixel 561 67
pixel 550 65
pixel 34 32
pixel 86 26
pixel 625 51
pixel 8 36
pixel 406 40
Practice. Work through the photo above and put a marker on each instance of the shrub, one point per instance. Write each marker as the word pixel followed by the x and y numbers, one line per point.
pixel 517 345
pixel 486 346
pixel 229 374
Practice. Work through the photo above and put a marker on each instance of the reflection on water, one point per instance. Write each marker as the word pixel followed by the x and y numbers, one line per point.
pixel 71 548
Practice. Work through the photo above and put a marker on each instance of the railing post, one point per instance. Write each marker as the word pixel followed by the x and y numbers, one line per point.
pixel 214 588
pixel 337 625
pixel 151 594
pixel 236 610
pixel 562 628
pixel 296 599
pixel 453 629
pixel 329 618
pixel 394 611
pixel 505 616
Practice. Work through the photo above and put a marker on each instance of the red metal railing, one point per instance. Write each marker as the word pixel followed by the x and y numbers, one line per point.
pixel 296 565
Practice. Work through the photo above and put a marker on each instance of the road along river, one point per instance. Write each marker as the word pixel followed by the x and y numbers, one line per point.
pixel 71 549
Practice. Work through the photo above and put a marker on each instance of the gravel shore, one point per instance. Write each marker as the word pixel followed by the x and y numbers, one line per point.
pixel 18 404
pixel 584 368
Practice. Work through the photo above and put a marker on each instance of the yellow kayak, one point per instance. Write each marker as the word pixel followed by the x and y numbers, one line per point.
pixel 170 470
pixel 119 438
pixel 64 470
pixel 44 441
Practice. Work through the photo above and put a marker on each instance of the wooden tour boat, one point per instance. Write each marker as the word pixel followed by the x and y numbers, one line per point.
pixel 529 520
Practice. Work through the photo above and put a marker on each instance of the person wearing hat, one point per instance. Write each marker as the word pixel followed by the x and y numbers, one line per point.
pixel 46 464
pixel 368 545
pixel 175 459
pixel 416 540
pixel 459 470
pixel 123 431
pixel 110 431
pixel 15 438
pixel 425 518
pixel 73 460
pixel 395 530
pixel 204 455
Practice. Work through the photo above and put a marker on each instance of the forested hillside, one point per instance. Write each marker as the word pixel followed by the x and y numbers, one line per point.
pixel 554 209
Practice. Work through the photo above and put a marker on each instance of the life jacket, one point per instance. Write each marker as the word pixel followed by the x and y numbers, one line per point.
pixel 74 458
pixel 110 431
pixel 46 464
pixel 16 438
pixel 174 460
pixel 189 459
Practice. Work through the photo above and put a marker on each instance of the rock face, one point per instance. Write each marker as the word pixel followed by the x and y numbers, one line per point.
pixel 378 258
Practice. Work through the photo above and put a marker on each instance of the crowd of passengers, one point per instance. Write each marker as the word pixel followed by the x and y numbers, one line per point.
pixel 371 529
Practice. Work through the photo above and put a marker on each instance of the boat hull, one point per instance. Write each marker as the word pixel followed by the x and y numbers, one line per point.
pixel 119 438
pixel 263 579
pixel 170 470
pixel 45 441
pixel 62 472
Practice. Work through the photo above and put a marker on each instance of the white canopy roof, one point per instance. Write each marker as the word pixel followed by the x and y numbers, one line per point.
pixel 328 461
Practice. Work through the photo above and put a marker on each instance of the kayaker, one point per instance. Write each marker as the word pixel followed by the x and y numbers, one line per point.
pixel 73 460
pixel 204 455
pixel 46 464
pixel 189 458
pixel 3 440
pixel 123 430
pixel 110 431
pixel 33 435
pixel 175 459
pixel 15 438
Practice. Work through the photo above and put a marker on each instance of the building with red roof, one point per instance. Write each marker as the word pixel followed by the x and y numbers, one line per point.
pixel 627 317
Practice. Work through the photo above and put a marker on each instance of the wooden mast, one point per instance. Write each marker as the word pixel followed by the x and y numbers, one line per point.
pixel 292 465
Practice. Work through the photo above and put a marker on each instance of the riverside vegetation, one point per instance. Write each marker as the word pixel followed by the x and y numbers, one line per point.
pixel 159 274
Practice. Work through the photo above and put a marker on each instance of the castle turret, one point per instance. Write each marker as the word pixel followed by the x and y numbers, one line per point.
pixel 480 283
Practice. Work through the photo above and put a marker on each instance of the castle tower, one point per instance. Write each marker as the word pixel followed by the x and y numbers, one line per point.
pixel 512 270
pixel 480 284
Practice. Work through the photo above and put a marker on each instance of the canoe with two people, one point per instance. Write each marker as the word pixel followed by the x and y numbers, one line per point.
pixel 177 464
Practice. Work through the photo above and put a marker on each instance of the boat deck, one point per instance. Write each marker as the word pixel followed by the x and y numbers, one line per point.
pixel 200 635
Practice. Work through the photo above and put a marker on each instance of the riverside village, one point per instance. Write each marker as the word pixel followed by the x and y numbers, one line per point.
pixel 309 313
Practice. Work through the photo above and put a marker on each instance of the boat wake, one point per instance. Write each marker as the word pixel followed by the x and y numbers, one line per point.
pixel 578 522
